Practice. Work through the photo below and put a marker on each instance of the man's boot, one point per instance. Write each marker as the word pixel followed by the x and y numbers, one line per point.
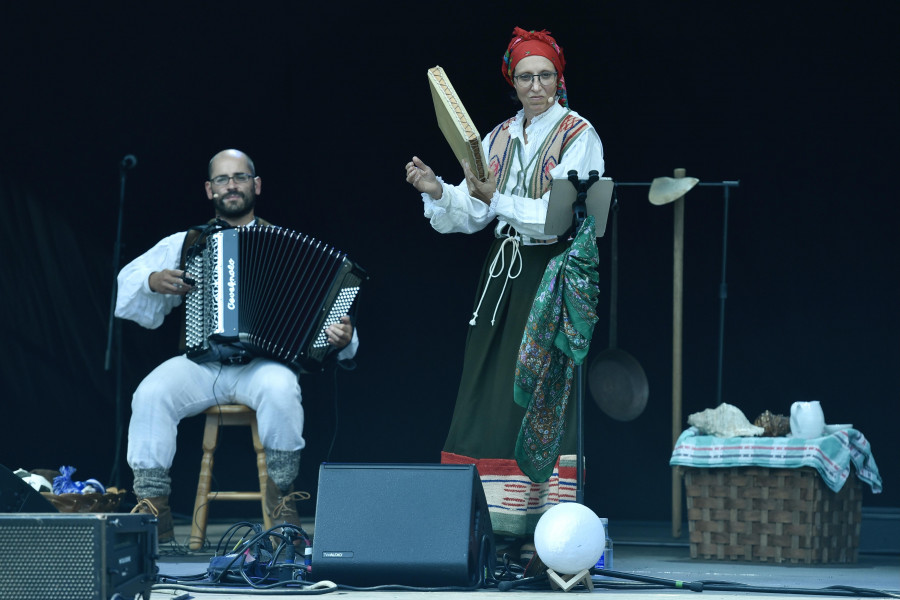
pixel 281 506
pixel 159 508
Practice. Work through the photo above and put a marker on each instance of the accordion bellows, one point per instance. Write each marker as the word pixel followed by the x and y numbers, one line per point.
pixel 455 123
pixel 266 291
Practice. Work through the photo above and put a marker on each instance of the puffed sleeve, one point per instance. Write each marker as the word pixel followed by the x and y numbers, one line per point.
pixel 456 211
pixel 135 300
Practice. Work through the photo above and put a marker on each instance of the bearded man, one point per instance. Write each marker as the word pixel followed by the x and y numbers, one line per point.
pixel 149 288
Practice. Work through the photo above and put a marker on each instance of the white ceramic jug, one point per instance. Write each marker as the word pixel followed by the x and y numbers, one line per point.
pixel 807 419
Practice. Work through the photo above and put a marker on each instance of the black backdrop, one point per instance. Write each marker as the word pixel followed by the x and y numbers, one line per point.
pixel 798 101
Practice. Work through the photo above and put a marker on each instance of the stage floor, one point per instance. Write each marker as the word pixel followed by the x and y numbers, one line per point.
pixel 640 548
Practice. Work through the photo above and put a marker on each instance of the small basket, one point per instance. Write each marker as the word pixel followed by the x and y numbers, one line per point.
pixel 85 503
pixel 771 515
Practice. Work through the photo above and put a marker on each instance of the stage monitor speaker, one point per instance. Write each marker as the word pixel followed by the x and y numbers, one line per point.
pixel 18 496
pixel 421 525
pixel 74 556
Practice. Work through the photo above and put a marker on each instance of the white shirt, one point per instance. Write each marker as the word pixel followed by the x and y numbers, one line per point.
pixel 135 300
pixel 458 212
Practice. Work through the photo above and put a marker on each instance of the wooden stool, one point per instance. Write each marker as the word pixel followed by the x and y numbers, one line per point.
pixel 221 416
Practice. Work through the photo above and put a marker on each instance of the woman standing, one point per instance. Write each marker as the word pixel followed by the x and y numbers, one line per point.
pixel 545 139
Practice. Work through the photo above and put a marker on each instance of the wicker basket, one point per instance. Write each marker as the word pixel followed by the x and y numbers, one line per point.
pixel 86 503
pixel 771 515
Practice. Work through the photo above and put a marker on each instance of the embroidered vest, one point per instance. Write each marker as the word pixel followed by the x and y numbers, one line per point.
pixel 502 147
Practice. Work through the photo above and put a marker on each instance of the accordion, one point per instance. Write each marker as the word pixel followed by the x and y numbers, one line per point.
pixel 266 291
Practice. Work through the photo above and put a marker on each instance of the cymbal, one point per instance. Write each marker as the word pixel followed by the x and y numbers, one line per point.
pixel 664 190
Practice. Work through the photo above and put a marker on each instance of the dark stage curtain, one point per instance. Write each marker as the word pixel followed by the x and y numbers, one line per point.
pixel 55 295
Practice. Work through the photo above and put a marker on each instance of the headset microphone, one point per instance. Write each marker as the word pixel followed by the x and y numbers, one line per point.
pixel 215 196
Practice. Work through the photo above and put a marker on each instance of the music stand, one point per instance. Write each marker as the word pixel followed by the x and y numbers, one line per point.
pixel 564 193
pixel 571 201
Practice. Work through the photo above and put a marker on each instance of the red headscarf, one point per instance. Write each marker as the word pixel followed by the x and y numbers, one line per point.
pixel 535 43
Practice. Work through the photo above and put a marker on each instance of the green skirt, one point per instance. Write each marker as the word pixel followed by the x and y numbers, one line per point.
pixel 486 420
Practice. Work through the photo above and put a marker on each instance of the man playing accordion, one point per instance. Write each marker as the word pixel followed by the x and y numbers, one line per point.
pixel 149 287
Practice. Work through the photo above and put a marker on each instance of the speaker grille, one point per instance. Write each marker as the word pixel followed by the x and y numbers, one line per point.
pixel 414 525
pixel 59 556
pixel 45 561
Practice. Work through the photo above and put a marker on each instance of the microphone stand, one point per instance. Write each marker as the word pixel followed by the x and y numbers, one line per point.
pixel 579 214
pixel 114 331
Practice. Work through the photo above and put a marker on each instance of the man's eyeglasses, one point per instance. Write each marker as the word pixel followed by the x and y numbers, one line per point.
pixel 527 79
pixel 238 178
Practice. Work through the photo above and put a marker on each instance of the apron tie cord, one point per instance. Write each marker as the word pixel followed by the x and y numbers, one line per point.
pixel 495 272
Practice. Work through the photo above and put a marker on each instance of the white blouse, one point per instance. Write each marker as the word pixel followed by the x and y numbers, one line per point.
pixel 458 212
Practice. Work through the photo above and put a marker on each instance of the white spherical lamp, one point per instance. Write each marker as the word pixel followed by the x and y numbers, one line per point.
pixel 569 538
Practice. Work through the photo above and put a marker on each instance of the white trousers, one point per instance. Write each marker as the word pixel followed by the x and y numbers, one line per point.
pixel 180 388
